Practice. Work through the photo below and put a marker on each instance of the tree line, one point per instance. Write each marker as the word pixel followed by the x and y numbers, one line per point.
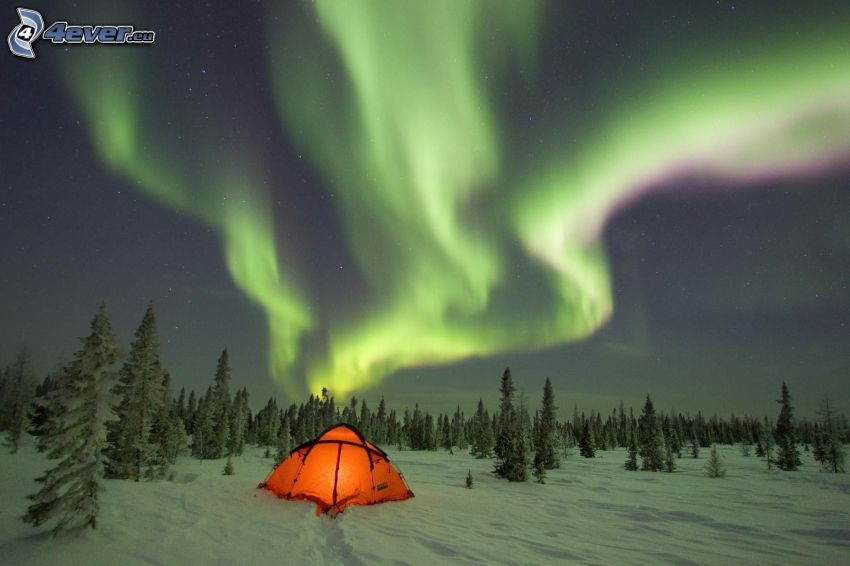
pixel 105 414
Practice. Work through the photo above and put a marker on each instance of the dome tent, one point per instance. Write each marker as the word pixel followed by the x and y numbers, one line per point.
pixel 337 469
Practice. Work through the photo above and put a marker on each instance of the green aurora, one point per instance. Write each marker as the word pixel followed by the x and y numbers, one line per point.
pixel 437 211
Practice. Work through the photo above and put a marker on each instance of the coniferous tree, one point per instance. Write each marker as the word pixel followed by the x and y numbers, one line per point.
pixel 365 419
pixel 139 389
pixel 714 465
pixel 829 448
pixel 546 426
pixel 228 467
pixel 456 430
pixel 203 436
pixel 586 443
pixel 631 461
pixel 759 441
pixel 238 424
pixel 219 405
pixel 517 463
pixel 565 439
pixel 650 439
pixel 445 428
pixel 469 479
pixel 785 434
pixel 429 438
pixel 671 437
pixel 694 447
pixel 506 422
pixel 180 404
pixel 284 442
pixel 80 409
pixel 380 428
pixel 482 444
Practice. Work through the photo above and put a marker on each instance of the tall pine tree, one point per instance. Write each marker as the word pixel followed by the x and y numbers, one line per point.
pixel 650 439
pixel 79 408
pixel 219 405
pixel 545 442
pixel 586 442
pixel 505 423
pixel 140 390
pixel 482 442
pixel 785 434
pixel 829 449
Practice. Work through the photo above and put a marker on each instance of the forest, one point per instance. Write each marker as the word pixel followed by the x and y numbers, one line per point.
pixel 108 415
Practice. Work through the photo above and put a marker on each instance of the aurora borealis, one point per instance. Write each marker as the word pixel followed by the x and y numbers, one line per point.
pixel 409 189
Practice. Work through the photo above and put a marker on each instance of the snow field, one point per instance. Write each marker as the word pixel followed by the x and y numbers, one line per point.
pixel 588 512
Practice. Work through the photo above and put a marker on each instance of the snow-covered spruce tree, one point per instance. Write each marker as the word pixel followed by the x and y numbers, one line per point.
pixel 380 429
pixel 714 465
pixel 694 447
pixel 649 439
pixel 631 461
pixel 586 442
pixel 284 442
pixel 546 429
pixel 671 436
pixel 516 465
pixel 829 449
pixel 238 423
pixel 506 424
pixel 19 393
pixel 219 405
pixel 458 430
pixel 203 427
pixel 139 390
pixel 565 439
pixel 469 482
pixel 365 419
pixel 80 409
pixel 785 434
pixel 482 442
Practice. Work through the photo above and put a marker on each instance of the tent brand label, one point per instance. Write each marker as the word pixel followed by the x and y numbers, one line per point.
pixel 31 28
pixel 381 486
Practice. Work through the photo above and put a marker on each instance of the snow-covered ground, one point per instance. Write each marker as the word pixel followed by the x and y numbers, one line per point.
pixel 589 512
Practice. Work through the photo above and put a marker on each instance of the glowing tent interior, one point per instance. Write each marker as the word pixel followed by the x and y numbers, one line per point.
pixel 338 469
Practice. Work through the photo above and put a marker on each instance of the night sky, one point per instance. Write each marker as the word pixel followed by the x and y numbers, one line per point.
pixel 405 197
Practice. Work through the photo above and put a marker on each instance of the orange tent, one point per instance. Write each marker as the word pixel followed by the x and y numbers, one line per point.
pixel 338 469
